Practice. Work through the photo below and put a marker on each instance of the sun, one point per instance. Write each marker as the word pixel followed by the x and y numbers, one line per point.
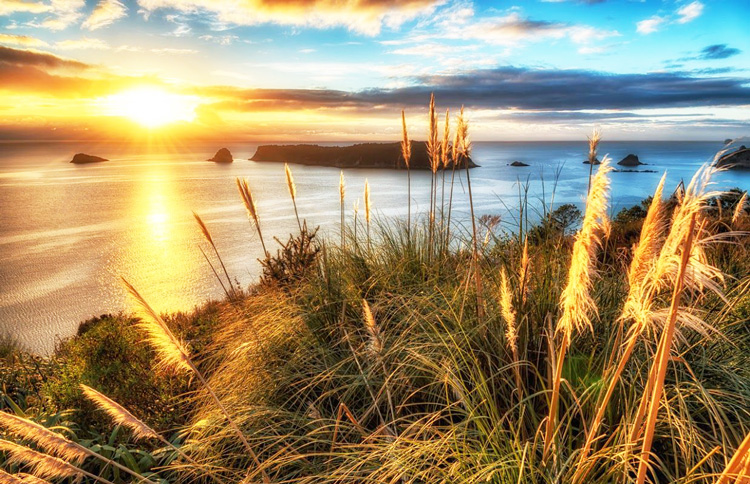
pixel 151 107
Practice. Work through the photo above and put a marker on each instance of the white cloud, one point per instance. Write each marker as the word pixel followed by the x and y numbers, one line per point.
pixel 690 12
pixel 171 51
pixel 10 6
pixel 84 43
pixel 220 39
pixel 105 13
pixel 650 25
pixel 64 13
pixel 362 16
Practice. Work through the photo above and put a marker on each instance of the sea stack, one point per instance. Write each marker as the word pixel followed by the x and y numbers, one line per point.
pixel 83 158
pixel 630 160
pixel 222 156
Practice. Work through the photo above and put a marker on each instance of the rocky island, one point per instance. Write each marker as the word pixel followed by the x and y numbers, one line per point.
pixel 738 159
pixel 365 155
pixel 630 160
pixel 222 156
pixel 83 158
pixel 518 164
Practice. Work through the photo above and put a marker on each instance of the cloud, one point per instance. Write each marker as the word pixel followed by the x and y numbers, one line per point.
pixel 105 13
pixel 84 43
pixel 686 13
pixel 172 51
pixel 509 88
pixel 11 6
pixel 64 13
pixel 718 51
pixel 650 25
pixel 22 40
pixel 689 12
pixel 36 58
pixel 362 16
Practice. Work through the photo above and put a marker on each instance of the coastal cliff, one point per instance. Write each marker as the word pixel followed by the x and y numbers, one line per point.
pixel 365 155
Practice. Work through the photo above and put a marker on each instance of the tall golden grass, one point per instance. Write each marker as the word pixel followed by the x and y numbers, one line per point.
pixel 576 301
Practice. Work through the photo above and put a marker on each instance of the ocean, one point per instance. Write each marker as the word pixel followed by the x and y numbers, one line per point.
pixel 69 232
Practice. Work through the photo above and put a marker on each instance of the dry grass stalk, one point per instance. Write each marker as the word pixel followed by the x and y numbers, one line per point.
pixel 29 479
pixel 644 256
pixel 738 466
pixel 594 140
pixel 445 161
pixel 292 192
pixel 252 208
pixel 367 211
pixel 739 210
pixel 576 299
pixel 406 154
pixel 174 355
pixel 42 465
pixel 342 194
pixel 511 332
pixel 52 442
pixel 119 414
pixel 523 272
pixel 207 235
pixel 662 357
pixel 666 269
pixel 6 478
pixel 375 349
pixel 355 209
pixel 433 153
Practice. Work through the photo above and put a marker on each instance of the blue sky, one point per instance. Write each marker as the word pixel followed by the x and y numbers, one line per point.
pixel 668 69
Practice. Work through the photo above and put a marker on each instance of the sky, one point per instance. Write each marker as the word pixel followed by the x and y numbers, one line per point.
pixel 342 70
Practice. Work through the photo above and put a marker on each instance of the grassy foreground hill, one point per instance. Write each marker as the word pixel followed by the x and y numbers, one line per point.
pixel 580 350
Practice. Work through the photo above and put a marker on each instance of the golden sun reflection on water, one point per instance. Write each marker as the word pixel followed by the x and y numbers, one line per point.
pixel 162 243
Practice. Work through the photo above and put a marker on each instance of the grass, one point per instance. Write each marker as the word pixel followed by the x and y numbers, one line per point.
pixel 435 353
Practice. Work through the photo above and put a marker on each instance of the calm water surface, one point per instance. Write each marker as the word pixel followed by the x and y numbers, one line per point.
pixel 68 232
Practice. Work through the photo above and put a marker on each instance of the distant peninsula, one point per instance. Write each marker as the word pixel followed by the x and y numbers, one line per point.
pixel 365 155
pixel 83 158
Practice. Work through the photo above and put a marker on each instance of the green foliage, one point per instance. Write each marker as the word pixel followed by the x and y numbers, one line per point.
pixel 106 354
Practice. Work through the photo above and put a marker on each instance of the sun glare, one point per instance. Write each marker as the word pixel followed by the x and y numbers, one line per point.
pixel 150 106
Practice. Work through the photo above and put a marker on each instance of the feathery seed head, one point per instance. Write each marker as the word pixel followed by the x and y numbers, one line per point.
pixel 594 139
pixel 576 300
pixel 433 146
pixel 375 345
pixel 204 229
pixel 739 210
pixel 445 145
pixel 290 182
pixel 506 308
pixel 119 414
pixel 52 442
pixel 405 143
pixel 42 465
pixel 248 200
pixel 342 187
pixel 173 354
pixel 367 201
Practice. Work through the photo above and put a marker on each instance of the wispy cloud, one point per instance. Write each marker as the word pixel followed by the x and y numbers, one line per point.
pixel 362 16
pixel 689 12
pixel 84 43
pixel 650 25
pixel 718 51
pixel 105 13
pixel 686 13
pixel 22 40
pixel 8 7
